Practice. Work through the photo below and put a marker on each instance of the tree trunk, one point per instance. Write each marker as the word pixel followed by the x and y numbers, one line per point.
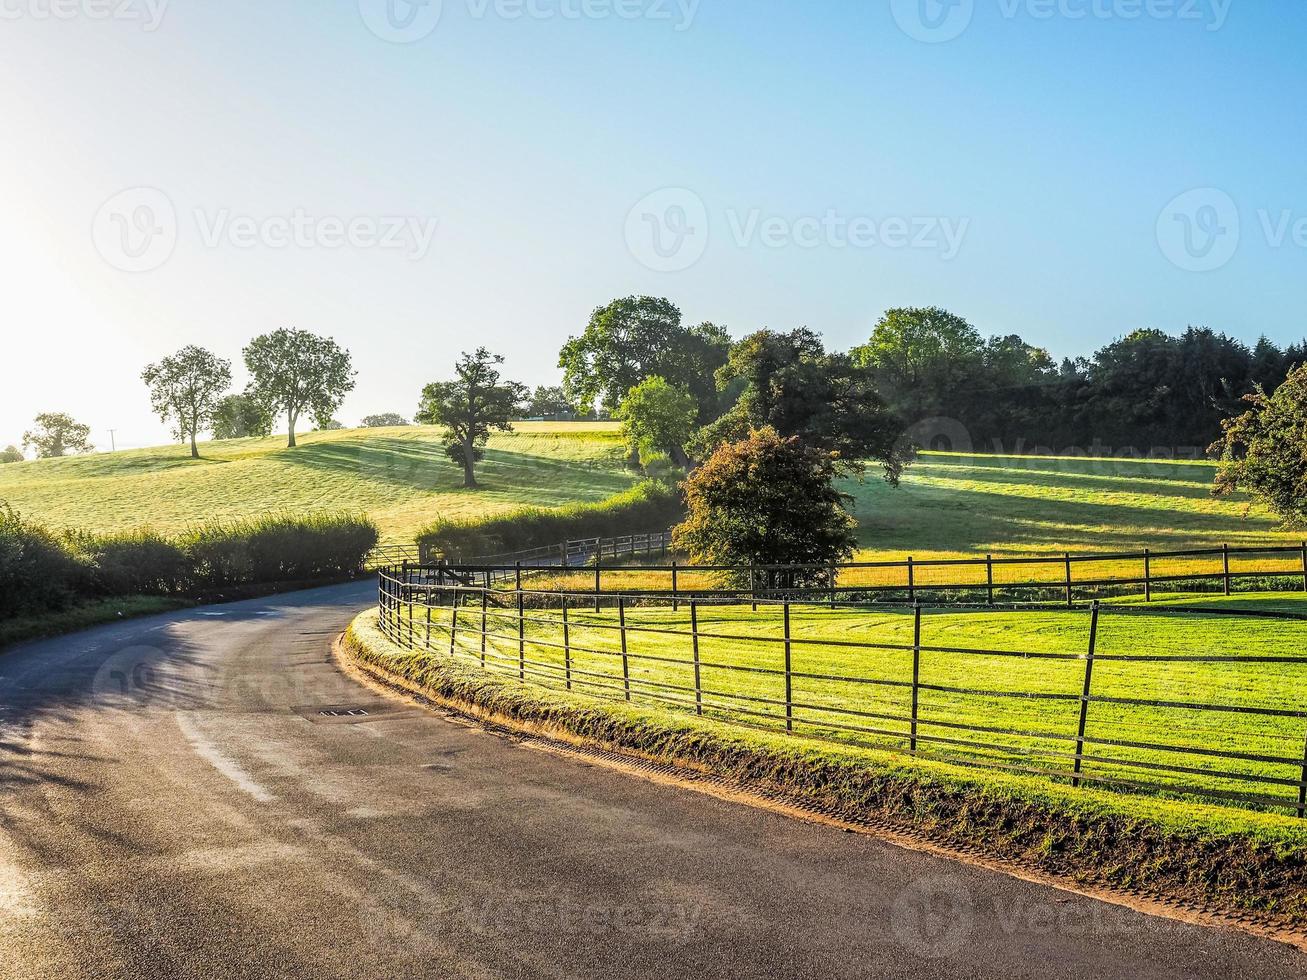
pixel 291 419
pixel 469 466
pixel 195 450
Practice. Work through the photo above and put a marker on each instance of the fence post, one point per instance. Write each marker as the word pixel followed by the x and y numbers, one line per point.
pixel 453 623
pixel 1304 566
pixel 1070 602
pixel 485 598
pixel 626 664
pixel 428 642
pixel 1302 788
pixel 1084 696
pixel 989 577
pixel 567 646
pixel 694 633
pixel 789 675
pixel 518 576
pixel 753 585
pixel 563 549
pixel 676 603
pixel 598 589
pixel 834 578
pixel 1148 575
pixel 521 638
pixel 916 673
pixel 1225 567
pixel 912 582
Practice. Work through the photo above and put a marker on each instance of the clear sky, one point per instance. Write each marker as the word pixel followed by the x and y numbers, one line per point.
pixel 415 186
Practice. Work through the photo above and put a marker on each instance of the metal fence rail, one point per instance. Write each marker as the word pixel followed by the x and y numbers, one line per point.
pixel 1220 568
pixel 774 674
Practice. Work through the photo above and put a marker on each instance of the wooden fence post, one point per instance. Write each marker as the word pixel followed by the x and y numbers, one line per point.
pixel 485 599
pixel 626 663
pixel 567 647
pixel 453 623
pixel 598 588
pixel 1302 788
pixel 834 579
pixel 1225 567
pixel 676 604
pixel 1084 694
pixel 753 585
pixel 1304 566
pixel 1070 602
pixel 1148 575
pixel 916 673
pixel 694 633
pixel 989 577
pixel 518 576
pixel 521 638
pixel 912 582
pixel 428 640
pixel 789 674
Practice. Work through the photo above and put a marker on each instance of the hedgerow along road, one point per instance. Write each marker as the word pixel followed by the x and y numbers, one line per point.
pixel 206 794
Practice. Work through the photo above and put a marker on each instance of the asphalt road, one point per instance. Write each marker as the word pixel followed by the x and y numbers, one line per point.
pixel 173 803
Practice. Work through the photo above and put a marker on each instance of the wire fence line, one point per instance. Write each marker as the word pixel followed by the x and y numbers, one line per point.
pixel 790 664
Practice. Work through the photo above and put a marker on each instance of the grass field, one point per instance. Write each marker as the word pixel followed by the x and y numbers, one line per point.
pixel 1035 727
pixel 948 505
pixel 401 477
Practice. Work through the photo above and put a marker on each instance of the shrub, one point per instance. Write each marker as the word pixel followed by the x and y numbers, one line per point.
pixel 1264 451
pixel 139 563
pixel 36 572
pixel 648 506
pixel 767 500
pixel 280 548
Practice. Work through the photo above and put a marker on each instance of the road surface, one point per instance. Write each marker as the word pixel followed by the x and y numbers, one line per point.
pixel 175 803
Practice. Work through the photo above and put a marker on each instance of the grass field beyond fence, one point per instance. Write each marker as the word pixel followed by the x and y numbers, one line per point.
pixel 1195 697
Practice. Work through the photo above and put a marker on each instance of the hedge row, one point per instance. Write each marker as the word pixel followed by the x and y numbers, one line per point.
pixel 648 506
pixel 41 571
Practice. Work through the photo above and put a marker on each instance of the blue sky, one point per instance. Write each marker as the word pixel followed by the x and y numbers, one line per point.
pixel 815 163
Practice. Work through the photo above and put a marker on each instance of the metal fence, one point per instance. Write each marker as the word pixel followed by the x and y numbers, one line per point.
pixel 568 555
pixel 989 579
pixel 896 681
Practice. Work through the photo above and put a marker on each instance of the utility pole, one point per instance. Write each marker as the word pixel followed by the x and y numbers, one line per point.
pixel 113 443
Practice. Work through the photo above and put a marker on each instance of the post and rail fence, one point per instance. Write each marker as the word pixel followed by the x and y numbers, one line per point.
pixel 932 699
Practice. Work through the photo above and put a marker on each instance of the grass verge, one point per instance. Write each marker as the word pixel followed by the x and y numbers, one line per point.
pixel 23 628
pixel 1231 861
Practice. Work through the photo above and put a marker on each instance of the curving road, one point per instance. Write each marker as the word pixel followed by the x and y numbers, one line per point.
pixel 174 803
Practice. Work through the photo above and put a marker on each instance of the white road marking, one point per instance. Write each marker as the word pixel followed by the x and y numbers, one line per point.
pixel 207 751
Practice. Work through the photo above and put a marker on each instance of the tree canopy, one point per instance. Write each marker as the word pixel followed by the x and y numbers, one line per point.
pixel 657 418
pixel 239 416
pixel 11 454
pixel 385 420
pixel 767 500
pixel 57 434
pixel 294 371
pixel 471 406
pixel 1264 450
pixel 185 390
pixel 639 337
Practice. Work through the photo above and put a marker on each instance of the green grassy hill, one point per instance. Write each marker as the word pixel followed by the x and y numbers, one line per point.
pixel 400 476
pixel 948 504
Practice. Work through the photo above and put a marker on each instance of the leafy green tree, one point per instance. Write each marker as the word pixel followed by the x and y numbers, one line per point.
pixel 639 337
pixel 331 425
pixel 294 371
pixel 917 355
pixel 549 402
pixel 1264 450
pixel 386 420
pixel 767 500
pixel 658 417
pixel 789 382
pixel 471 406
pixel 56 434
pixel 239 416
pixel 185 390
pixel 11 454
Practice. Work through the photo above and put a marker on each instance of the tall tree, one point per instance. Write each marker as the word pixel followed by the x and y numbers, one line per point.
pixel 239 416
pixel 471 406
pixel 549 402
pixel 658 417
pixel 789 382
pixel 11 454
pixel 185 390
pixel 915 355
pixel 639 337
pixel 294 371
pixel 1264 450
pixel 56 434
pixel 386 420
